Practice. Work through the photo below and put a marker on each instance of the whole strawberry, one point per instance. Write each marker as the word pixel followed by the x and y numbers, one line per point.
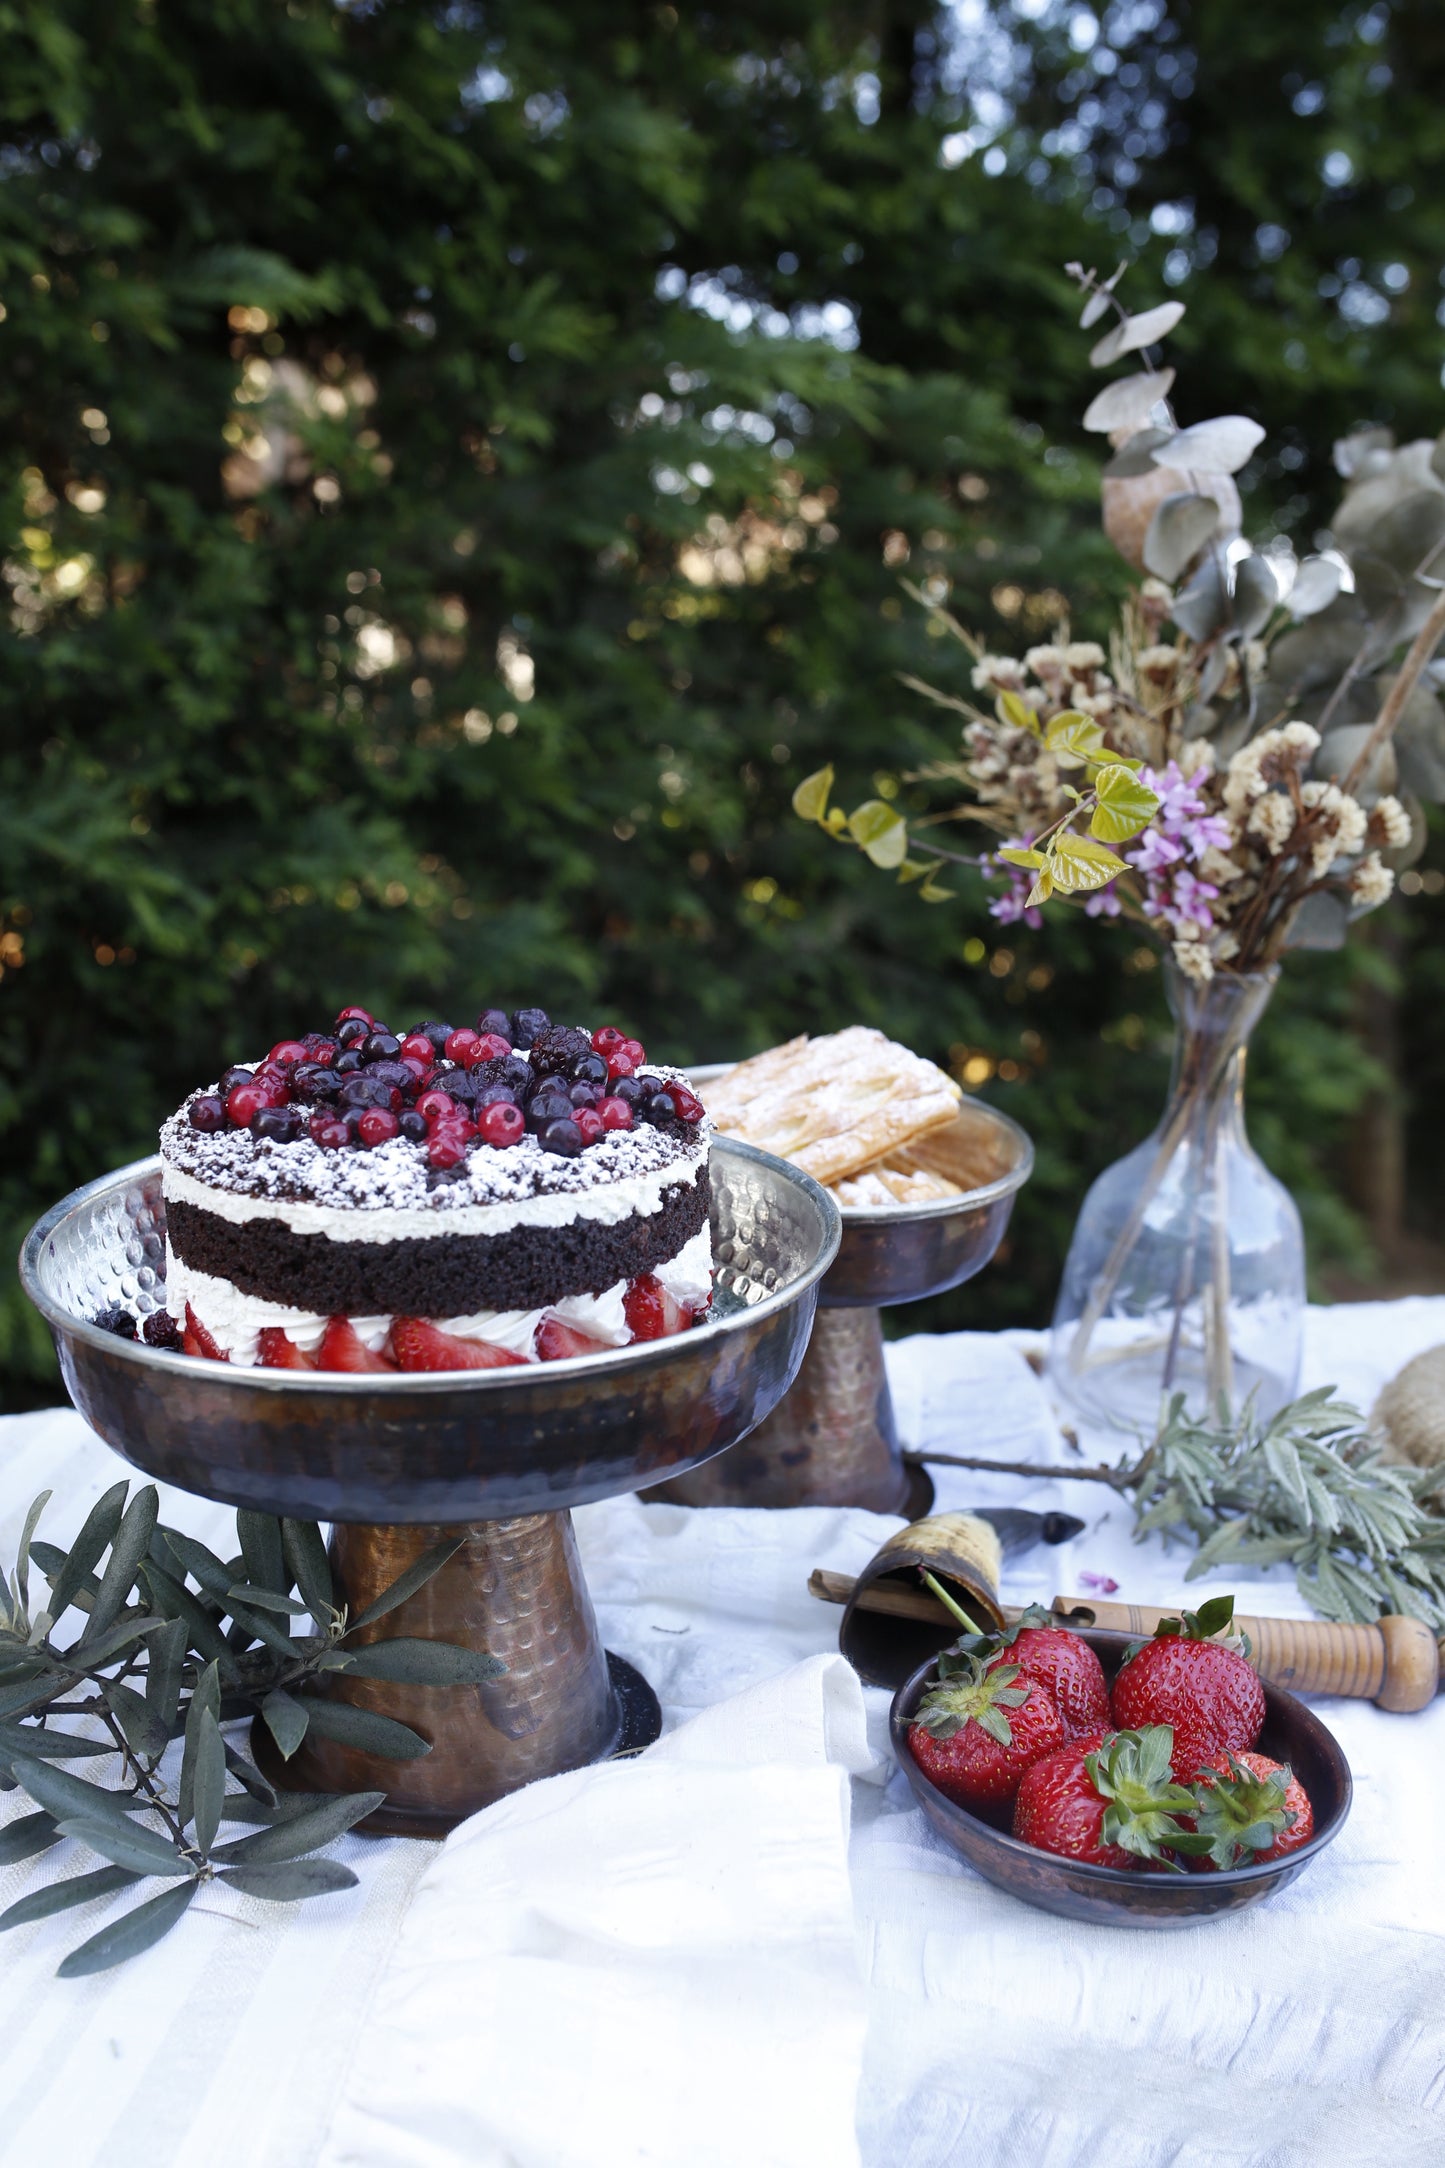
pixel 1209 1693
pixel 1062 1661
pixel 980 1728
pixel 1251 1809
pixel 1110 1801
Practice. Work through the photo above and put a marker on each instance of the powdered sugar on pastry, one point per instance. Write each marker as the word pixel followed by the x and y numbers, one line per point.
pixel 833 1105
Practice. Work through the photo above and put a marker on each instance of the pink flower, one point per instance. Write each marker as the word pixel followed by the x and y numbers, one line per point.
pixel 1013 905
pixel 1103 903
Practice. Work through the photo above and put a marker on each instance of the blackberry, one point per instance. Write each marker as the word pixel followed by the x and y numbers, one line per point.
pixel 555 1050
pixel 161 1330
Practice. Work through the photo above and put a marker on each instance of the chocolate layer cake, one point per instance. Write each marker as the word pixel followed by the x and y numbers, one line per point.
pixel 451 1198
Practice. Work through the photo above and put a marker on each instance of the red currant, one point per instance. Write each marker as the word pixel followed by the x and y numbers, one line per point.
pixel 606 1039
pixel 462 1047
pixel 627 1059
pixel 355 1016
pixel 492 1047
pixel 589 1122
pixel 286 1053
pixel 245 1101
pixel 378 1125
pixel 416 1046
pixel 501 1124
pixel 422 1071
pixel 689 1107
pixel 616 1114
pixel 445 1148
pixel 329 1131
pixel 437 1106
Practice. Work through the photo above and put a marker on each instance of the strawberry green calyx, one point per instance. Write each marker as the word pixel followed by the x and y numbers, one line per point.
pixel 1243 1814
pixel 1131 1770
pixel 1213 1621
pixel 973 1693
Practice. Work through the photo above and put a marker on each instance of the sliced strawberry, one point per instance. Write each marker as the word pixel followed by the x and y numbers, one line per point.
pixel 556 1341
pixel 195 1340
pixel 342 1349
pixel 420 1346
pixel 653 1314
pixel 275 1351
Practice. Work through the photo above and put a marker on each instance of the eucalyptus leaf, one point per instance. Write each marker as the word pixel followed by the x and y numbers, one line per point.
pixel 129 1936
pixel 1182 524
pixel 302 1833
pixel 1316 584
pixel 1129 402
pixel 138 1849
pixel 1221 446
pixel 41 1904
pixel 27 1835
pixel 69 1798
pixel 128 1547
pixel 1256 592
pixel 1138 455
pixel 286 1719
pixel 1410 537
pixel 1202 605
pixel 96 1532
pixel 1356 453
pixel 1136 332
pixel 1420 743
pixel 365 1729
pixel 424 1663
pixel 310 1568
pixel 1322 922
pixel 260 1539
pixel 406 1584
pixel 287 1881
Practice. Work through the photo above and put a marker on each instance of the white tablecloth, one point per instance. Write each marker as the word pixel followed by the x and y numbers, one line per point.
pixel 1309 2030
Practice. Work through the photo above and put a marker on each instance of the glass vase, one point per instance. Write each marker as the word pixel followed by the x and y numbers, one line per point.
pixel 1186 1269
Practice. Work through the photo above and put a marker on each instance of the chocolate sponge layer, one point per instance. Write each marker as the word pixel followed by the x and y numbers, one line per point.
pixel 437 1275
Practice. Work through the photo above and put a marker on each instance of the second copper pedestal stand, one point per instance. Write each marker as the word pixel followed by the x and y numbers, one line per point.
pixel 833 1440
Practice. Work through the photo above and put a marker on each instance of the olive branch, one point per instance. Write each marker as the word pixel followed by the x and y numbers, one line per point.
pixel 159 1662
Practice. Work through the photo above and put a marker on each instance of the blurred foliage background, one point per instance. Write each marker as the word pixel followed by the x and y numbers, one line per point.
pixel 457 464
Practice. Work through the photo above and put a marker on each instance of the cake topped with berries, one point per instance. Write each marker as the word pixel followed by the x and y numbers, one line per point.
pixel 456 1197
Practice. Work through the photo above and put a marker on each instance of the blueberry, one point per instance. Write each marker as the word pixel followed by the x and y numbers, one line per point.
pixel 392 1072
pixel 459 1084
pixel 352 1118
pixel 648 1083
pixel 412 1125
pixel 346 1064
pixel 352 1032
pixel 115 1319
pixel 588 1068
pixel 527 1025
pixel 379 1045
pixel 542 1113
pixel 309 1080
pixel 208 1112
pixel 564 1138
pixel 628 1088
pixel 586 1095
pixel 657 1108
pixel 284 1125
pixel 230 1078
pixel 492 1095
pixel 496 1020
pixel 364 1091
pixel 161 1330
pixel 437 1033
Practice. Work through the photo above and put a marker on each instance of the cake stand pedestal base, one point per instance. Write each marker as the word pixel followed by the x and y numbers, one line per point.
pixel 831 1442
pixel 514 1589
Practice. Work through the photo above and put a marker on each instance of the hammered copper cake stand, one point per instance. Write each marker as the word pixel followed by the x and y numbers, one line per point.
pixel 501 1456
pixel 833 1440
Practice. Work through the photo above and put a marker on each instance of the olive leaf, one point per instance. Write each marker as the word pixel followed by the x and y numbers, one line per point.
pixel 259 1535
pixel 423 1663
pixel 406 1584
pixel 139 1850
pixel 287 1882
pixel 129 1936
pixel 302 1833
pixel 286 1719
pixel 29 1834
pixel 97 1530
pixel 128 1548
pixel 365 1729
pixel 42 1904
pixel 305 1554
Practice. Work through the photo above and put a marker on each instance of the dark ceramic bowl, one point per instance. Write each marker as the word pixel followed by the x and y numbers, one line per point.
pixel 1115 1896
pixel 450 1445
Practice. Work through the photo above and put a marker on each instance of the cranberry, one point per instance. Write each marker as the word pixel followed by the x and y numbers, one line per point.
pixel 607 1039
pixel 245 1102
pixel 564 1138
pixel 416 1046
pixel 329 1132
pixel 347 1063
pixel 495 1024
pixel 352 1034
pixel 378 1125
pixel 445 1148
pixel 161 1330
pixel 586 1095
pixel 208 1112
pixel 355 1016
pixel 230 1078
pixel 286 1053
pixel 689 1107
pixel 589 1124
pixel 502 1123
pixel 658 1109
pixel 283 1125
pixel 380 1046
pixel 616 1114
pixel 527 1025
pixel 492 1046
pixel 465 1047
pixel 435 1106
pixel 412 1125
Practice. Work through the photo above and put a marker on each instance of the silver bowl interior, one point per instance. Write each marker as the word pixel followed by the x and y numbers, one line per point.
pixel 446 1445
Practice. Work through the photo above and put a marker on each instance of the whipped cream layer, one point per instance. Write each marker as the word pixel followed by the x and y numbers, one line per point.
pixel 235 1321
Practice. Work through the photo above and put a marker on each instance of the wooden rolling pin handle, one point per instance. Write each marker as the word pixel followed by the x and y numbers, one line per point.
pixel 1395 1663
